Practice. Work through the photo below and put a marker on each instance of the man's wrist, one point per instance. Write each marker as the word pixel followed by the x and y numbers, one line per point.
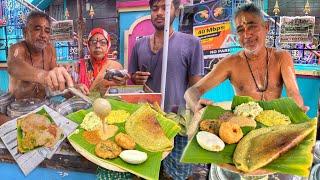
pixel 41 77
pixel 192 97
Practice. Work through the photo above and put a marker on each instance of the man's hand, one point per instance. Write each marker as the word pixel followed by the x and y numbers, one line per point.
pixel 140 77
pixel 305 108
pixel 193 100
pixel 201 104
pixel 83 88
pixel 57 79
pixel 194 124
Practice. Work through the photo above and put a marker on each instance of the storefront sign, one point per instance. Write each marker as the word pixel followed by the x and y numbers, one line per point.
pixel 299 29
pixel 62 30
pixel 214 39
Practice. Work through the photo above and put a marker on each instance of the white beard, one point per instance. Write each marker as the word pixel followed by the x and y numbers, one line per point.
pixel 253 52
pixel 40 46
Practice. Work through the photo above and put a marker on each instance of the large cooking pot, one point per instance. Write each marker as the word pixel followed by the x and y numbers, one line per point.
pixel 218 173
pixel 72 105
pixel 23 106
pixel 5 99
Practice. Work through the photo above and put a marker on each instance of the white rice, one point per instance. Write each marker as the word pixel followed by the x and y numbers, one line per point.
pixel 250 109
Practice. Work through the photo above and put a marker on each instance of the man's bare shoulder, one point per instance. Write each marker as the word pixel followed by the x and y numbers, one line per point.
pixel 230 59
pixel 16 51
pixel 18 47
pixel 281 54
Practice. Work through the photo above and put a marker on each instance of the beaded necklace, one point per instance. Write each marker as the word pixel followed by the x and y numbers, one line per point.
pixel 266 78
pixel 36 85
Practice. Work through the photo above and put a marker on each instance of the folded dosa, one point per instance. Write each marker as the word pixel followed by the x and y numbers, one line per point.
pixel 262 146
pixel 146 131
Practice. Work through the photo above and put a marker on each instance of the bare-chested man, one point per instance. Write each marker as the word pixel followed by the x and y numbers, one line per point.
pixel 257 71
pixel 32 62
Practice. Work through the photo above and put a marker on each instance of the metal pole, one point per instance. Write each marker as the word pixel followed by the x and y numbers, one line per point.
pixel 165 51
pixel 80 28
pixel 275 32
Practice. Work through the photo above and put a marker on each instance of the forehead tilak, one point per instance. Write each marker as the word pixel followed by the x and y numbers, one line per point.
pixel 243 20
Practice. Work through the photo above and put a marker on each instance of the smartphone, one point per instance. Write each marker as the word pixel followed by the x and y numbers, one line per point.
pixel 110 73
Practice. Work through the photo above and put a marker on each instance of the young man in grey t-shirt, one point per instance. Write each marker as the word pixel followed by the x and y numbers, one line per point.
pixel 184 68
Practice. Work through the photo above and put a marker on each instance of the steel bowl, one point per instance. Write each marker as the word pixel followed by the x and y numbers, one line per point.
pixel 72 105
pixel 5 99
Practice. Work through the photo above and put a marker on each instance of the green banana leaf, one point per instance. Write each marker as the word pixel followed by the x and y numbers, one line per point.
pixel 296 161
pixel 151 167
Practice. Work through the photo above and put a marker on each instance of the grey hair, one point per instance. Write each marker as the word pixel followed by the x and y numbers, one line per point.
pixel 36 14
pixel 249 8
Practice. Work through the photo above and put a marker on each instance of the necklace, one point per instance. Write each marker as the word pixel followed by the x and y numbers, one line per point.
pixel 31 56
pixel 36 87
pixel 266 78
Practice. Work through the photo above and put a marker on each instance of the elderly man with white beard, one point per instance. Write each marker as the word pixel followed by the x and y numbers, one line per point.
pixel 32 62
pixel 257 71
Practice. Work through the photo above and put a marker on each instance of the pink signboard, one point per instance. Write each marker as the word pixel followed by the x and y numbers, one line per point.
pixel 144 28
pixel 139 3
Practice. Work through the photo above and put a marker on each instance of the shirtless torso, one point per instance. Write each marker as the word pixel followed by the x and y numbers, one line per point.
pixel 44 60
pixel 257 71
pixel 263 83
pixel 32 62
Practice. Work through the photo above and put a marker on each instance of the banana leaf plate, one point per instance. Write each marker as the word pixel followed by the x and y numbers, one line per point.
pixel 20 133
pixel 148 170
pixel 297 161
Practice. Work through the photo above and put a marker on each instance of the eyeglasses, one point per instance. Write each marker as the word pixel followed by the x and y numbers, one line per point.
pixel 103 42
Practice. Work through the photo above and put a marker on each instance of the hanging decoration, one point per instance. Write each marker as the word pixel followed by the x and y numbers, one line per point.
pixel 91 12
pixel 276 9
pixel 307 8
pixel 67 14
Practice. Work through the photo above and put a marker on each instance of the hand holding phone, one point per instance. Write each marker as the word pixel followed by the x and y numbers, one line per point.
pixel 117 76
pixel 140 77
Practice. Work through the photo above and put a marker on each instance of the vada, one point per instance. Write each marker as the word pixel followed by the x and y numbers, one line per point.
pixel 210 125
pixel 125 141
pixel 107 149
pixel 230 133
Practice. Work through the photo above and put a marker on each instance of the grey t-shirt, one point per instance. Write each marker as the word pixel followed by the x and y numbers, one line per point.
pixel 185 59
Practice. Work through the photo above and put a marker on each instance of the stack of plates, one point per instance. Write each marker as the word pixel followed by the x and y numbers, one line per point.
pixel 72 105
pixel 315 172
pixel 5 100
pixel 217 173
pixel 316 153
pixel 23 106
